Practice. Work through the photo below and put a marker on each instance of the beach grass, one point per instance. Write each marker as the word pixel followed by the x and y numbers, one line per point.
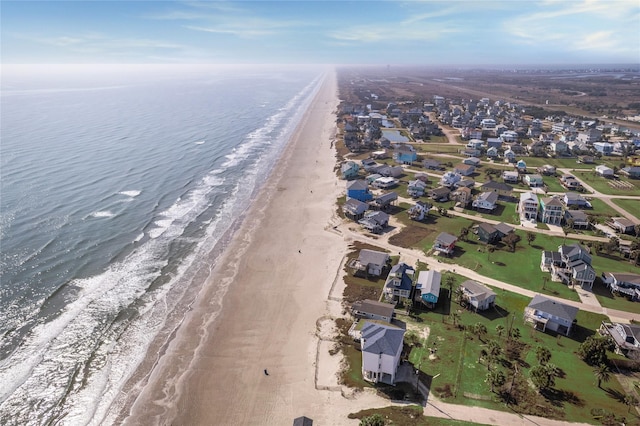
pixel 409 416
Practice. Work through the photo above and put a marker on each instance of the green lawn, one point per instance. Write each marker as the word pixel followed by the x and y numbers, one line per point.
pixel 439 148
pixel 601 211
pixel 456 371
pixel 604 186
pixel 629 205
pixel 611 301
pixel 410 415
pixel 505 212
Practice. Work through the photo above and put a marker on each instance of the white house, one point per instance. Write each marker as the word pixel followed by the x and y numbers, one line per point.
pixel 381 350
pixel 419 210
pixel 486 201
pixel 528 207
pixel 548 314
pixel 604 171
pixel 477 295
pixel 371 262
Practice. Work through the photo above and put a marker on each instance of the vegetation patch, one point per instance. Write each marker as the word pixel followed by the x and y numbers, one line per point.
pixel 405 416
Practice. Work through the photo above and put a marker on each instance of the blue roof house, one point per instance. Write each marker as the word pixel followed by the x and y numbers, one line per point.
pixel 399 282
pixel 359 190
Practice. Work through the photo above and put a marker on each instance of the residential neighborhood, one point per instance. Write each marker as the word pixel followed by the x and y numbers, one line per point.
pixel 489 207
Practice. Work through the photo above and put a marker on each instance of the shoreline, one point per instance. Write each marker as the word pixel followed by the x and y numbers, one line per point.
pixel 282 263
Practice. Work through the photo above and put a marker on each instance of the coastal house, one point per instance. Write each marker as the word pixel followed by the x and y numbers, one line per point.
pixel 450 178
pixel 605 148
pixel 445 243
pixel 521 166
pixel 570 182
pixel 533 180
pixel 431 164
pixel 405 154
pixel 372 309
pixel 631 172
pixel 462 196
pixel 486 201
pixel 509 156
pixel 416 188
pixel 475 143
pixel 419 211
pixel 385 182
pixel 604 171
pixel 528 207
pixel 471 161
pixel 368 164
pixel 372 178
pixel 570 264
pixel 354 209
pixel 547 170
pixel 578 219
pixel 551 210
pixel 370 263
pixel 548 314
pixel 428 287
pixel 626 338
pixel 477 296
pixel 465 183
pixel 399 282
pixel 510 177
pixel 492 152
pixel 381 349
pixel 440 194
pixel 359 190
pixel 623 283
pixel 622 225
pixel 384 201
pixel 464 169
pixel 374 221
pixel 571 199
pixel 490 234
pixel 390 171
pixel 349 170
pixel 503 190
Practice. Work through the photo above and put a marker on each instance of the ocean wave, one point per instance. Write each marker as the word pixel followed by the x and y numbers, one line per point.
pixel 133 193
pixel 102 214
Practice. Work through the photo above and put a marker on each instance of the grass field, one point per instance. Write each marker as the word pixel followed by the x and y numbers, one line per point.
pixel 601 211
pixel 605 186
pixel 409 416
pixel 632 206
pixel 459 377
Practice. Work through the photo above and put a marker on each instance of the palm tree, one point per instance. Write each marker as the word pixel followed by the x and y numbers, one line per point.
pixel 543 354
pixel 499 330
pixel 450 281
pixel 464 232
pixel 602 373
pixel 455 317
pixel 480 329
pixel 630 401
pixel 493 353
pixel 496 378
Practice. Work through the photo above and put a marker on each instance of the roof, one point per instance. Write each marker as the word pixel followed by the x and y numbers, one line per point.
pixel 487 227
pixel 464 167
pixel 374 307
pixel 387 198
pixel 381 339
pixel 627 278
pixel 429 282
pixel 441 190
pixel 377 217
pixel 480 291
pixel 355 206
pixel 490 197
pixel 357 184
pixel 623 221
pixel 503 228
pixel 528 196
pixel 446 239
pixel 553 255
pixel 302 421
pixel 552 201
pixel 367 257
pixel 553 307
pixel 572 196
pixel 577 215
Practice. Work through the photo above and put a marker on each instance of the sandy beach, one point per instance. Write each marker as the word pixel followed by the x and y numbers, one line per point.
pixel 280 266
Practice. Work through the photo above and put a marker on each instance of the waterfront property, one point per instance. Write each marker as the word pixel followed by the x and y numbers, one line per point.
pixel 349 170
pixel 381 350
pixel 370 263
pixel 354 209
pixel 372 309
pixel 548 314
pixel 374 221
pixel 359 190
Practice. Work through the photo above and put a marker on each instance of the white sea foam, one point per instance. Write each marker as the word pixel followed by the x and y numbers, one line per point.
pixel 132 193
pixel 199 142
pixel 103 213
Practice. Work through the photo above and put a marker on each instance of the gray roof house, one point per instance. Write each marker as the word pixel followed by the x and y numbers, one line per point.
pixel 372 309
pixel 445 243
pixel 478 296
pixel 370 262
pixel 626 337
pixel 302 421
pixel 548 314
pixel 354 209
pixel 381 349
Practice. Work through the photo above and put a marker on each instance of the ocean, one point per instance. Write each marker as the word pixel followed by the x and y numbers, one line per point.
pixel 118 187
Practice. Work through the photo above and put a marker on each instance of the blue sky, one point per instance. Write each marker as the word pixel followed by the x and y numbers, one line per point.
pixel 327 32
